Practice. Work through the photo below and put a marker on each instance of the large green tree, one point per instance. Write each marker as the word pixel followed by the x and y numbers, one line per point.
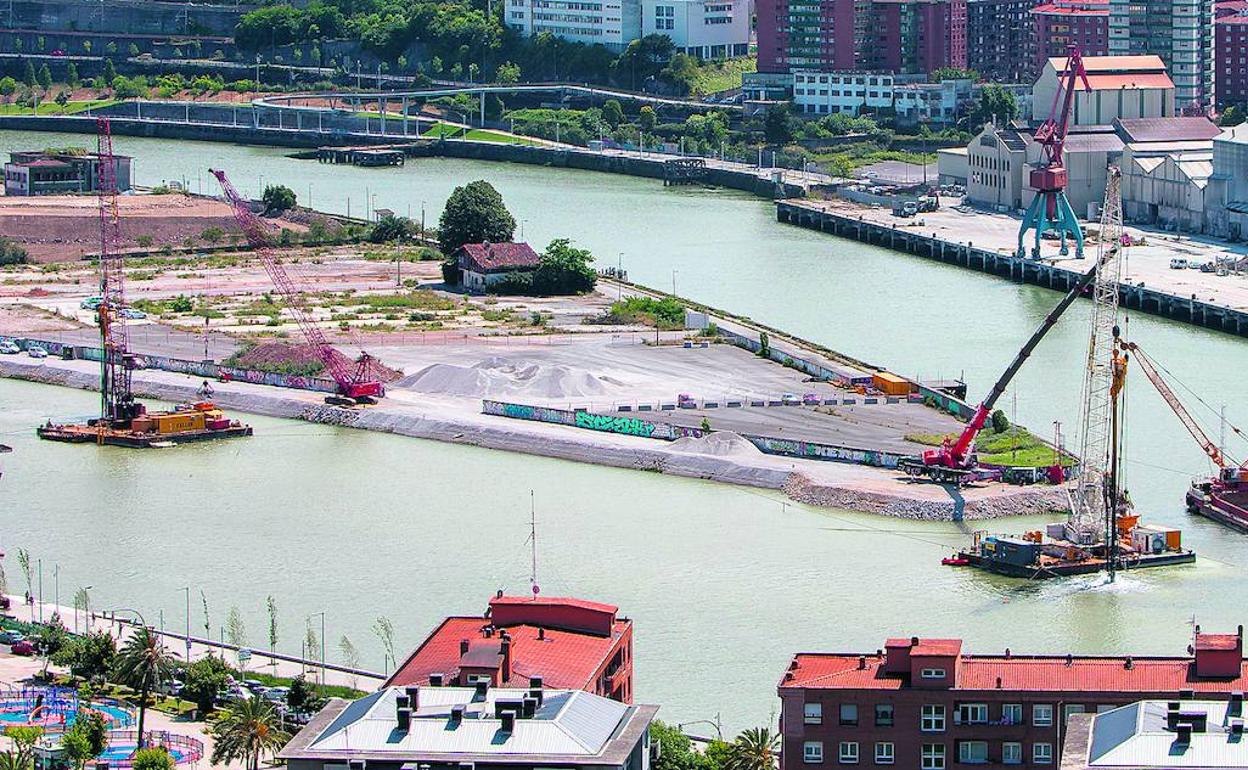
pixel 247 731
pixel 754 749
pixel 152 759
pixel 278 198
pixel 995 104
pixel 143 663
pixel 565 269
pixel 89 656
pixel 205 678
pixel 85 739
pixel 474 213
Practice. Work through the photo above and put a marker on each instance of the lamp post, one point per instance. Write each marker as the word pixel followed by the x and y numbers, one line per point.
pixel 619 276
pixel 86 607
pixel 187 589
pixel 322 666
pixel 715 723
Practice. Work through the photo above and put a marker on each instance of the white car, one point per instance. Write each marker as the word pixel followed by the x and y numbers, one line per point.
pixel 35 351
pixel 9 348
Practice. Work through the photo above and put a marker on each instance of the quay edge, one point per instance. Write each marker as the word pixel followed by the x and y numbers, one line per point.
pixel 1140 298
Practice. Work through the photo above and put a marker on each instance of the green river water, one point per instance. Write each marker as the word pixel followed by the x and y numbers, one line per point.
pixel 722 582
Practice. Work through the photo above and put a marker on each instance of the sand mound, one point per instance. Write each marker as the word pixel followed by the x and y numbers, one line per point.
pixel 720 444
pixel 501 376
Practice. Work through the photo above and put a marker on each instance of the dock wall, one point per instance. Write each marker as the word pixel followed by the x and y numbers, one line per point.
pixel 1141 298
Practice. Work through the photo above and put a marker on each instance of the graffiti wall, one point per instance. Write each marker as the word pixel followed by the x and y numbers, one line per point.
pixel 628 426
pixel 527 412
pixel 814 451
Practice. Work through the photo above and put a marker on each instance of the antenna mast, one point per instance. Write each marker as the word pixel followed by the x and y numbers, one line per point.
pixel 1088 503
pixel 533 545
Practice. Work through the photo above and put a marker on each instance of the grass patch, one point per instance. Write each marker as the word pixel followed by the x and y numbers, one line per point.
pixel 713 77
pixel 448 131
pixel 328 691
pixel 664 313
pixel 421 299
pixel 1015 447
pixel 50 107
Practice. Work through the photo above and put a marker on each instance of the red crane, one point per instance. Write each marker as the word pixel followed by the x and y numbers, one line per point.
pixel 117 404
pixel 1051 209
pixel 355 379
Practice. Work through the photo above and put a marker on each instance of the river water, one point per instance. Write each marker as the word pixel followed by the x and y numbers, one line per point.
pixel 722 582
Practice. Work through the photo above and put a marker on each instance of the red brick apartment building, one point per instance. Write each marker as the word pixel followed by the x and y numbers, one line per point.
pixel 923 704
pixel 520 641
pixel 1230 45
pixel 1063 23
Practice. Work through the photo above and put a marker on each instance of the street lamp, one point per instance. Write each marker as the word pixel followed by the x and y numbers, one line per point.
pixel 322 667
pixel 619 276
pixel 715 723
pixel 86 606
pixel 187 589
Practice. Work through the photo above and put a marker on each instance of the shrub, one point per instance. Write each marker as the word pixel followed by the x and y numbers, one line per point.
pixel 12 254
pixel 1000 423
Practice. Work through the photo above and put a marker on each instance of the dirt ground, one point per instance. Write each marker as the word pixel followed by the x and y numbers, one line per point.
pixel 55 228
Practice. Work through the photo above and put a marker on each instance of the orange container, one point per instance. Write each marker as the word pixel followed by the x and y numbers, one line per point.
pixel 890 384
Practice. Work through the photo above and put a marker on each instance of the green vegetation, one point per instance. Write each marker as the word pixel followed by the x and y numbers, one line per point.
pixel 143 664
pixel 278 198
pixel 713 77
pixel 666 313
pixel 563 269
pixel 247 730
pixel 51 107
pixel 390 228
pixel 1014 446
pixel 420 299
pixel 474 213
pixel 152 759
pixel 12 254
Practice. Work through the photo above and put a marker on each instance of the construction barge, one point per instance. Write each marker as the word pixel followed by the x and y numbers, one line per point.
pixel 1038 555
pixel 1222 498
pixel 184 424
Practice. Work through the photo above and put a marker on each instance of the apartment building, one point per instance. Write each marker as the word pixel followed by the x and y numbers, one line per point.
pixel 1180 32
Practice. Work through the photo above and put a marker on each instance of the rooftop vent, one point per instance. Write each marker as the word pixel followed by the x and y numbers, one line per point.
pixel 402 702
pixel 457 713
pixel 436 680
pixel 537 694
pixel 463 647
pixel 998 683
pixel 1070 659
pixel 1008 654
pixel 1237 728
pixel 914 641
pixel 541 634
pixel 508 722
pixel 1129 663
pixel 515 706
pixel 862 662
pixel 535 682
pixel 482 686
pixel 530 707
pixel 404 720
pixel 1172 714
pixel 1183 735
pixel 1236 707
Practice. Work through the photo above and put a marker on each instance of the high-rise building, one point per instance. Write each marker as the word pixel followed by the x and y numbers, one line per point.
pixel 1180 32
pixel 611 23
pixel 916 36
pixel 999 40
pixel 1063 23
pixel 808 34
pixel 1231 53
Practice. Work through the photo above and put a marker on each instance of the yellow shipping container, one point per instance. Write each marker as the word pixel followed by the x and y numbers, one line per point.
pixel 890 384
pixel 179 422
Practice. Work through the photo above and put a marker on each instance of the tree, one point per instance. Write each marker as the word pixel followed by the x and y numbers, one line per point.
pixel 110 72
pixel 50 639
pixel 212 235
pixel 235 631
pixel 350 656
pixel 71 76
pixel 754 749
pixel 29 77
pixel 646 118
pixel 384 631
pixel 143 664
pixel 675 749
pixel 111 48
pixel 612 113
pixel 300 694
pixel 474 213
pixel 85 739
pixel 152 759
pixel 133 49
pixel 247 731
pixel 778 125
pixel 507 72
pixel 23 561
pixel 11 760
pixel 1231 116
pixel 953 73
pixel 278 198
pixel 564 269
pixel 7 86
pixel 62 99
pixel 145 241
pixel 271 606
pixel 995 105
pixel 390 228
pixel 90 656
pixel 1000 423
pixel 205 678
pixel 311 642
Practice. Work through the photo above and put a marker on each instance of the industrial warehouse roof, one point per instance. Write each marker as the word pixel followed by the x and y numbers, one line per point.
pixel 487 257
pixel 1167 129
pixel 1136 736
pixel 568 726
pixel 1093 142
pixel 1117 72
pixel 841 671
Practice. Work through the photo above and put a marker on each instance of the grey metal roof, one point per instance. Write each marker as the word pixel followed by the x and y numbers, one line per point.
pixel 1097 142
pixel 1135 736
pixel 1167 129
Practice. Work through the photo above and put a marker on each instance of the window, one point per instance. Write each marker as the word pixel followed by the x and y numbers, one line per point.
pixel 1041 715
pixel 849 752
pixel 1071 708
pixel 813 714
pixel 1012 713
pixel 973 752
pixel 883 715
pixel 932 673
pixel 885 753
pixel 933 756
pixel 971 714
pixel 1042 753
pixel 849 714
pixel 933 719
pixel 812 752
pixel 1012 753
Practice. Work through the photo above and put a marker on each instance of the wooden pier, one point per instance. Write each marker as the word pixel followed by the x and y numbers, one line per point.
pixel 1022 270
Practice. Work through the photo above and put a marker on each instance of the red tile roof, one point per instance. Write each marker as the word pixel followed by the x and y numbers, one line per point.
pixel 564 659
pixel 937 647
pixel 1129 80
pixel 1019 673
pixel 554 601
pixel 485 257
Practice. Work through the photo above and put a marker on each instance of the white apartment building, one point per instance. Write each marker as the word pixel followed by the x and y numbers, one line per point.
pixel 1180 32
pixel 612 23
pixel 707 29
pixel 913 101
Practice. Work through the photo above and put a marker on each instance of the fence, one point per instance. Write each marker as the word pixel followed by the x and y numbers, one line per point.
pixel 183 749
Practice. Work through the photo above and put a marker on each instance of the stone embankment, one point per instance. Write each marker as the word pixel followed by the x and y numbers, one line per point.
pixel 848 487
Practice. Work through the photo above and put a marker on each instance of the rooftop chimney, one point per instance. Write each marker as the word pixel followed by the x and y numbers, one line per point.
pixel 436 680
pixel 402 702
pixel 505 644
pixel 457 713
pixel 998 683
pixel 1008 654
pixel 1172 714
pixel 463 647
pixel 530 707
pixel 1183 734
pixel 482 687
pixel 1237 729
pixel 1236 706
pixel 537 694
pixel 535 682
pixel 1070 659
pixel 404 719
pixel 1129 663
pixel 413 697
pixel 541 634
pixel 862 662
pixel 914 641
pixel 508 722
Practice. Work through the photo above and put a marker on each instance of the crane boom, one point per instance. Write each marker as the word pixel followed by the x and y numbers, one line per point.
pixel 116 396
pixel 1172 400
pixel 352 378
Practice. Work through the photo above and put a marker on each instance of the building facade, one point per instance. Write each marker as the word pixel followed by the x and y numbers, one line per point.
pixel 44 173
pixel 1061 24
pixel 452 728
pixel 1122 87
pixel 1180 32
pixel 612 23
pixel 996 162
pixel 707 29
pixel 916 36
pixel 999 40
pixel 1230 46
pixel 1228 184
pixel 563 642
pixel 1166 166
pixel 482 265
pixel 912 100
pixel 924 703
pixel 809 34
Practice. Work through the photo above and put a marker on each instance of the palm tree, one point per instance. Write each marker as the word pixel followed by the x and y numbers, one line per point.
pixel 11 760
pixel 247 730
pixel 754 749
pixel 143 663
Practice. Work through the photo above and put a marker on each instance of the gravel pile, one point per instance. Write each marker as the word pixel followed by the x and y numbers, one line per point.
pixel 505 376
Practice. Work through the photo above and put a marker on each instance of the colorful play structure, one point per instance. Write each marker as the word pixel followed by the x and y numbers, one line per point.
pixel 122 745
pixel 55 708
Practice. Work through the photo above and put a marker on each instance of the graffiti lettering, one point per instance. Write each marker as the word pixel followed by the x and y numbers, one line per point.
pixel 629 426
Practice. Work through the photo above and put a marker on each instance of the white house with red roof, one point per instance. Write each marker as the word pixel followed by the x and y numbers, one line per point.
pixel 482 265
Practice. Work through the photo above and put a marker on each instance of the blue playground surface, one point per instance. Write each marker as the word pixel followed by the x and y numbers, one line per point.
pixel 55 708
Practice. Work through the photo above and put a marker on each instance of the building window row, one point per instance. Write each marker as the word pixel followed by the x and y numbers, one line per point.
pixel 848 752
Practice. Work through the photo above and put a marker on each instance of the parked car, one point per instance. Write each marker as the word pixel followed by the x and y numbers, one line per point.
pixel 132 313
pixel 11 637
pixel 9 348
pixel 91 303
pixel 25 649
pixel 276 694
pixel 1178 263
pixel 36 351
pixel 254 685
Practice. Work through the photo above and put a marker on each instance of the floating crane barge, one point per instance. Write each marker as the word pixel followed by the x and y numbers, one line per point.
pixel 123 421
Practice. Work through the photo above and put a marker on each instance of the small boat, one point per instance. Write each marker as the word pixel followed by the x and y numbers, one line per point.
pixel 955 561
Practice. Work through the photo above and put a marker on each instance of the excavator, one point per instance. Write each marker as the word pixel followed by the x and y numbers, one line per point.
pixel 954 461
